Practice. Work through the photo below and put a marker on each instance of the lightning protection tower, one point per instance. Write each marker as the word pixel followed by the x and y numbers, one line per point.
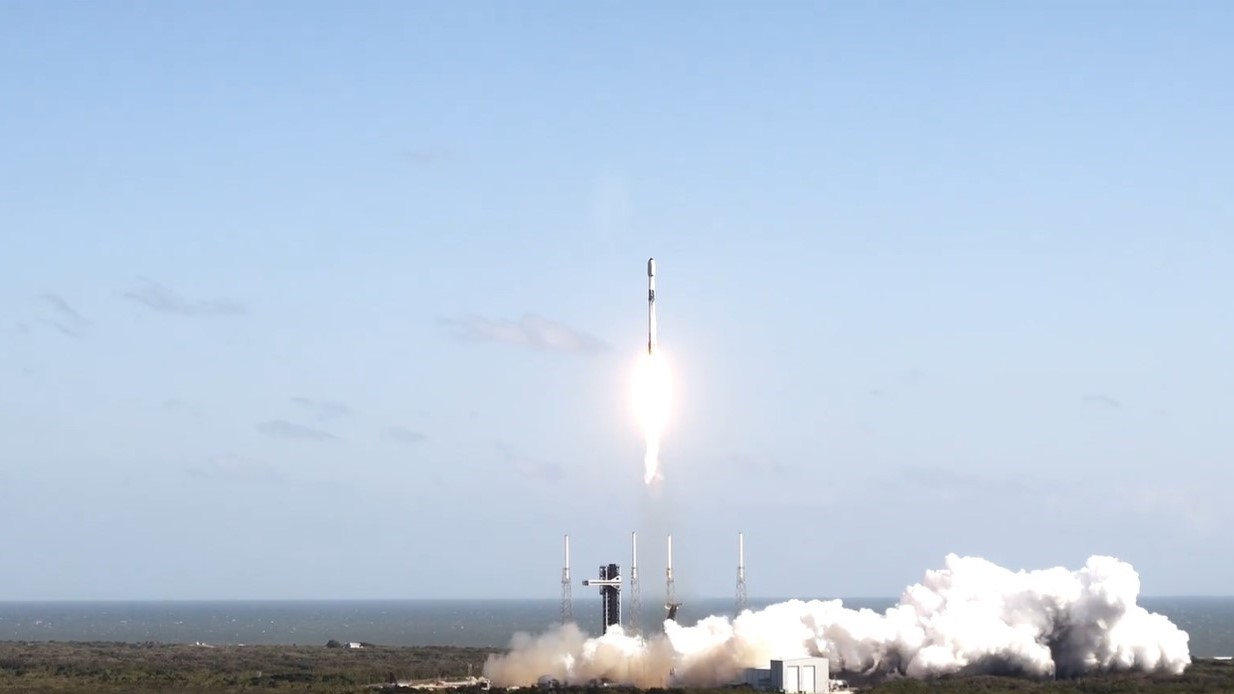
pixel 636 600
pixel 670 590
pixel 741 573
pixel 567 598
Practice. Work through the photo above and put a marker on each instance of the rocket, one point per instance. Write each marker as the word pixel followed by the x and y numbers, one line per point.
pixel 651 306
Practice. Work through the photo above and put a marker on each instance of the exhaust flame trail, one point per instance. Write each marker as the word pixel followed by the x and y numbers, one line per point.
pixel 971 617
pixel 652 403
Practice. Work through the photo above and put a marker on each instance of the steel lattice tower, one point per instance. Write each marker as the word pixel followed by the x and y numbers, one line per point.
pixel 670 590
pixel 636 600
pixel 567 597
pixel 741 573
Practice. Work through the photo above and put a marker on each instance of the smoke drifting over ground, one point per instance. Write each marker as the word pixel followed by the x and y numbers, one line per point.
pixel 970 617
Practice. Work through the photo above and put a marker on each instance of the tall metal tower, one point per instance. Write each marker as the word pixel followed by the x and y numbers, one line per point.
pixel 567 598
pixel 741 573
pixel 670 591
pixel 636 601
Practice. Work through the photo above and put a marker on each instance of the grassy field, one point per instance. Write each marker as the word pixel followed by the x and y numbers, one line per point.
pixel 112 668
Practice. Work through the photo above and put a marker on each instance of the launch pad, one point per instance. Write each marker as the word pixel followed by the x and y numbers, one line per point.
pixel 610 583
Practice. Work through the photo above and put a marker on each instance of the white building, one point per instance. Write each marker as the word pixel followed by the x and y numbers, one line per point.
pixel 795 676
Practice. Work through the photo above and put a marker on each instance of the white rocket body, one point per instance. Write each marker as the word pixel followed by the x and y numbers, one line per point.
pixel 651 305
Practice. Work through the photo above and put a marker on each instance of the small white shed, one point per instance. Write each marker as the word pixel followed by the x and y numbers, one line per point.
pixel 800 675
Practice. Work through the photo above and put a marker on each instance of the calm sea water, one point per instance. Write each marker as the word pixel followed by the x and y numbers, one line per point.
pixel 1209 621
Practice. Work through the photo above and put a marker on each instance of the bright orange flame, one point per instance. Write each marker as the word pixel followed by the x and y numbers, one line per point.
pixel 653 396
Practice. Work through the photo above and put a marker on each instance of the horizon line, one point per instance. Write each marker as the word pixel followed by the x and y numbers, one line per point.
pixel 759 600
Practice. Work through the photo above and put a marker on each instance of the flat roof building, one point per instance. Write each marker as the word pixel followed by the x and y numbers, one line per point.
pixel 791 676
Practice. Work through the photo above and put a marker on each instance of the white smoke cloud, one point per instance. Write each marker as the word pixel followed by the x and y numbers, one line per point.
pixel 970 617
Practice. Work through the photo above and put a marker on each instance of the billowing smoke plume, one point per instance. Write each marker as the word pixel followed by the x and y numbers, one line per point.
pixel 970 617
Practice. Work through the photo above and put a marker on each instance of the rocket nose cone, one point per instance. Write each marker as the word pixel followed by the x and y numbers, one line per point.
pixel 651 267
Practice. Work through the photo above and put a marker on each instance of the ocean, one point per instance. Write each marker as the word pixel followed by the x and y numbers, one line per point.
pixel 485 623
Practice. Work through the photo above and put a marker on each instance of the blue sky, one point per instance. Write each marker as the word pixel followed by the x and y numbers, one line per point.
pixel 318 300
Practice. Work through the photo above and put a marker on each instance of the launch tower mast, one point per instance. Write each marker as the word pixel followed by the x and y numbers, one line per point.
pixel 636 600
pixel 670 591
pixel 741 573
pixel 567 598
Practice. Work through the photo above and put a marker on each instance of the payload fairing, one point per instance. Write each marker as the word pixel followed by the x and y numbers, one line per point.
pixel 651 305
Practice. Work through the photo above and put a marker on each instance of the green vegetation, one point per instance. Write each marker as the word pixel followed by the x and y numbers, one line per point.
pixel 147 668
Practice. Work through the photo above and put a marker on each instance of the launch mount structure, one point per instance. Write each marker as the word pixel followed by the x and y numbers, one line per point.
pixel 609 584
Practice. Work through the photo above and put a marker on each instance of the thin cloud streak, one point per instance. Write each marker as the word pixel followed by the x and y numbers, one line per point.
pixel 67 319
pixel 425 155
pixel 759 465
pixel 404 435
pixel 235 468
pixel 283 429
pixel 532 331
pixel 159 298
pixel 1103 400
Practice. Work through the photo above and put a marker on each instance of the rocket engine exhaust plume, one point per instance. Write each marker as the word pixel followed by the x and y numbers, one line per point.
pixel 967 618
pixel 652 402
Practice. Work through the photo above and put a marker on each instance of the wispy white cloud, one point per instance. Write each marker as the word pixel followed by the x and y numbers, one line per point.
pixel 404 435
pixel 1103 400
pixel 752 463
pixel 235 468
pixel 65 318
pixel 159 298
pixel 283 429
pixel 531 331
